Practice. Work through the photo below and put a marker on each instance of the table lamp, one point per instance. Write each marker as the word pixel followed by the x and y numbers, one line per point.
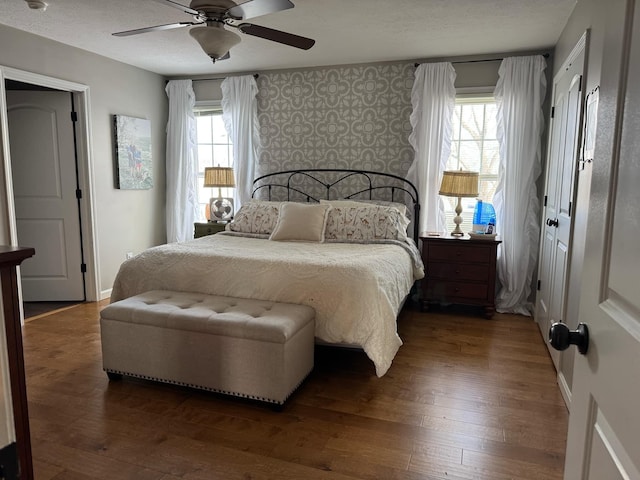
pixel 220 209
pixel 459 183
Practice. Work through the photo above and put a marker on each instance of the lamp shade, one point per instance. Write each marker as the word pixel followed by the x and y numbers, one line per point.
pixel 214 39
pixel 459 183
pixel 219 177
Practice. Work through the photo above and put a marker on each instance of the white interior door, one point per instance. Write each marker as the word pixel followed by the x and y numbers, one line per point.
pixel 547 250
pixel 557 222
pixel 604 426
pixel 43 166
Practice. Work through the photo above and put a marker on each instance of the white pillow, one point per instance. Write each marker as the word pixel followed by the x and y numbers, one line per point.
pixel 341 203
pixel 355 203
pixel 301 222
pixel 400 206
pixel 266 202
pixel 255 217
pixel 366 222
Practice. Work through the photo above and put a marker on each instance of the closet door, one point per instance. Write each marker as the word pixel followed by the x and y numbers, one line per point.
pixel 43 163
pixel 555 245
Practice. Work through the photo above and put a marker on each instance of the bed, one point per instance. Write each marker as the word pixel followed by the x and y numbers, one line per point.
pixel 356 279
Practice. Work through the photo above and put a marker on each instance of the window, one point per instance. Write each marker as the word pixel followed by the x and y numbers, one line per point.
pixel 474 147
pixel 214 149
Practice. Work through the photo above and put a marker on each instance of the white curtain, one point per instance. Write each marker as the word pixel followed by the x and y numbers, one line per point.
pixel 181 168
pixel 240 116
pixel 519 94
pixel 433 98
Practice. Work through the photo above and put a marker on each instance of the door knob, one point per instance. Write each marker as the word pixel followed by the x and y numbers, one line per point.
pixel 552 223
pixel 560 337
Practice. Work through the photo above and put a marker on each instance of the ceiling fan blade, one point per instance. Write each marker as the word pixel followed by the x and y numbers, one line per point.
pixel 177 5
pixel 277 36
pixel 168 26
pixel 226 56
pixel 257 8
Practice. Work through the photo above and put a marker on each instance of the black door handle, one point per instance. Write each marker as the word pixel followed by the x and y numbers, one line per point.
pixel 552 223
pixel 560 337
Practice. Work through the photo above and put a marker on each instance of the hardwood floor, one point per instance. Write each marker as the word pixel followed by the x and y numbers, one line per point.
pixel 35 310
pixel 466 398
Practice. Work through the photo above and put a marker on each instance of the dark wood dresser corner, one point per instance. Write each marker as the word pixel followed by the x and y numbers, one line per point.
pixel 459 270
pixel 202 229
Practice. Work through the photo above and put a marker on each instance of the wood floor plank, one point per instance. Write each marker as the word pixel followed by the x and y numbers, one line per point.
pixel 91 465
pixel 45 471
pixel 508 467
pixel 466 398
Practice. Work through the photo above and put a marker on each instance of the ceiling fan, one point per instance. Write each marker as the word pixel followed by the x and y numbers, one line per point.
pixel 213 16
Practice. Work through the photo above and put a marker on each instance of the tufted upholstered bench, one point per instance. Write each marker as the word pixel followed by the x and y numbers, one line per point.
pixel 250 348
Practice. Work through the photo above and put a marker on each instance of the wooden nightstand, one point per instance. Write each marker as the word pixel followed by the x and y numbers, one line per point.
pixel 459 270
pixel 209 228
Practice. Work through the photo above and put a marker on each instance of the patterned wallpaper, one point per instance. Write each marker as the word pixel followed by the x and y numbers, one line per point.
pixel 336 117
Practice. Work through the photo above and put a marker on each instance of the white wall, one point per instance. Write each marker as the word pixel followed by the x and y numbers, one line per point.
pixel 126 220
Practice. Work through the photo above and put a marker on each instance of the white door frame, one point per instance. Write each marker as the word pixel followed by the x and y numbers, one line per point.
pixel 8 231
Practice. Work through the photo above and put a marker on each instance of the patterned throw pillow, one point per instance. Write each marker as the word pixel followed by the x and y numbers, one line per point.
pixel 358 202
pixel 256 217
pixel 366 222
pixel 400 206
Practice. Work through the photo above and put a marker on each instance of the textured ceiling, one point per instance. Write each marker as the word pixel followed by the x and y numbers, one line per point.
pixel 346 31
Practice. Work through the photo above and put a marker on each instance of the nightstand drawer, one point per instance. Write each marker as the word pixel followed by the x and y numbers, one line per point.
pixel 461 253
pixel 458 271
pixel 451 291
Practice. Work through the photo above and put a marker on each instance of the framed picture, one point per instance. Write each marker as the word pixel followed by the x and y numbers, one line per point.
pixel 133 153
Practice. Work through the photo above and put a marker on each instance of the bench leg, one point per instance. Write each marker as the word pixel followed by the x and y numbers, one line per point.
pixel 114 377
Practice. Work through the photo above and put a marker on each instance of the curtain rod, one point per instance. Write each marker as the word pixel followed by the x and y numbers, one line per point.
pixel 255 75
pixel 545 55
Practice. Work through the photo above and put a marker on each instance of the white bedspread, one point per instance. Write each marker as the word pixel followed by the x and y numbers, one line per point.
pixel 355 289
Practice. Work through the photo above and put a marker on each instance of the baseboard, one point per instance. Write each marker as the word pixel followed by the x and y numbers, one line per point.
pixel 565 391
pixel 105 293
pixel 9 462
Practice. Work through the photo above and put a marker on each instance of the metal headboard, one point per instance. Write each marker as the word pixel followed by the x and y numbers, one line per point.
pixel 312 184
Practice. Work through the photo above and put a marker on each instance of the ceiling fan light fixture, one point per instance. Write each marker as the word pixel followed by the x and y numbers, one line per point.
pixel 215 40
pixel 37 5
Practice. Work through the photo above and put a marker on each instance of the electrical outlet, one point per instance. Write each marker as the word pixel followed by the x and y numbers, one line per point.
pixel 129 255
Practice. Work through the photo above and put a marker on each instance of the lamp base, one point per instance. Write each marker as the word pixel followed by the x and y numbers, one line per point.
pixel 220 209
pixel 457 232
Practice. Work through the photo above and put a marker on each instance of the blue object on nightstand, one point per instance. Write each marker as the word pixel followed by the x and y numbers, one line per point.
pixel 483 213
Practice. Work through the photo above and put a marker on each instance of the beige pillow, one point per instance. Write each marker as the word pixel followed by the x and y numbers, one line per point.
pixel 301 222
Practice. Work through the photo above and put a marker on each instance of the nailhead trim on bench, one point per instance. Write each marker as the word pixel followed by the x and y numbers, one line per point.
pixel 200 387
